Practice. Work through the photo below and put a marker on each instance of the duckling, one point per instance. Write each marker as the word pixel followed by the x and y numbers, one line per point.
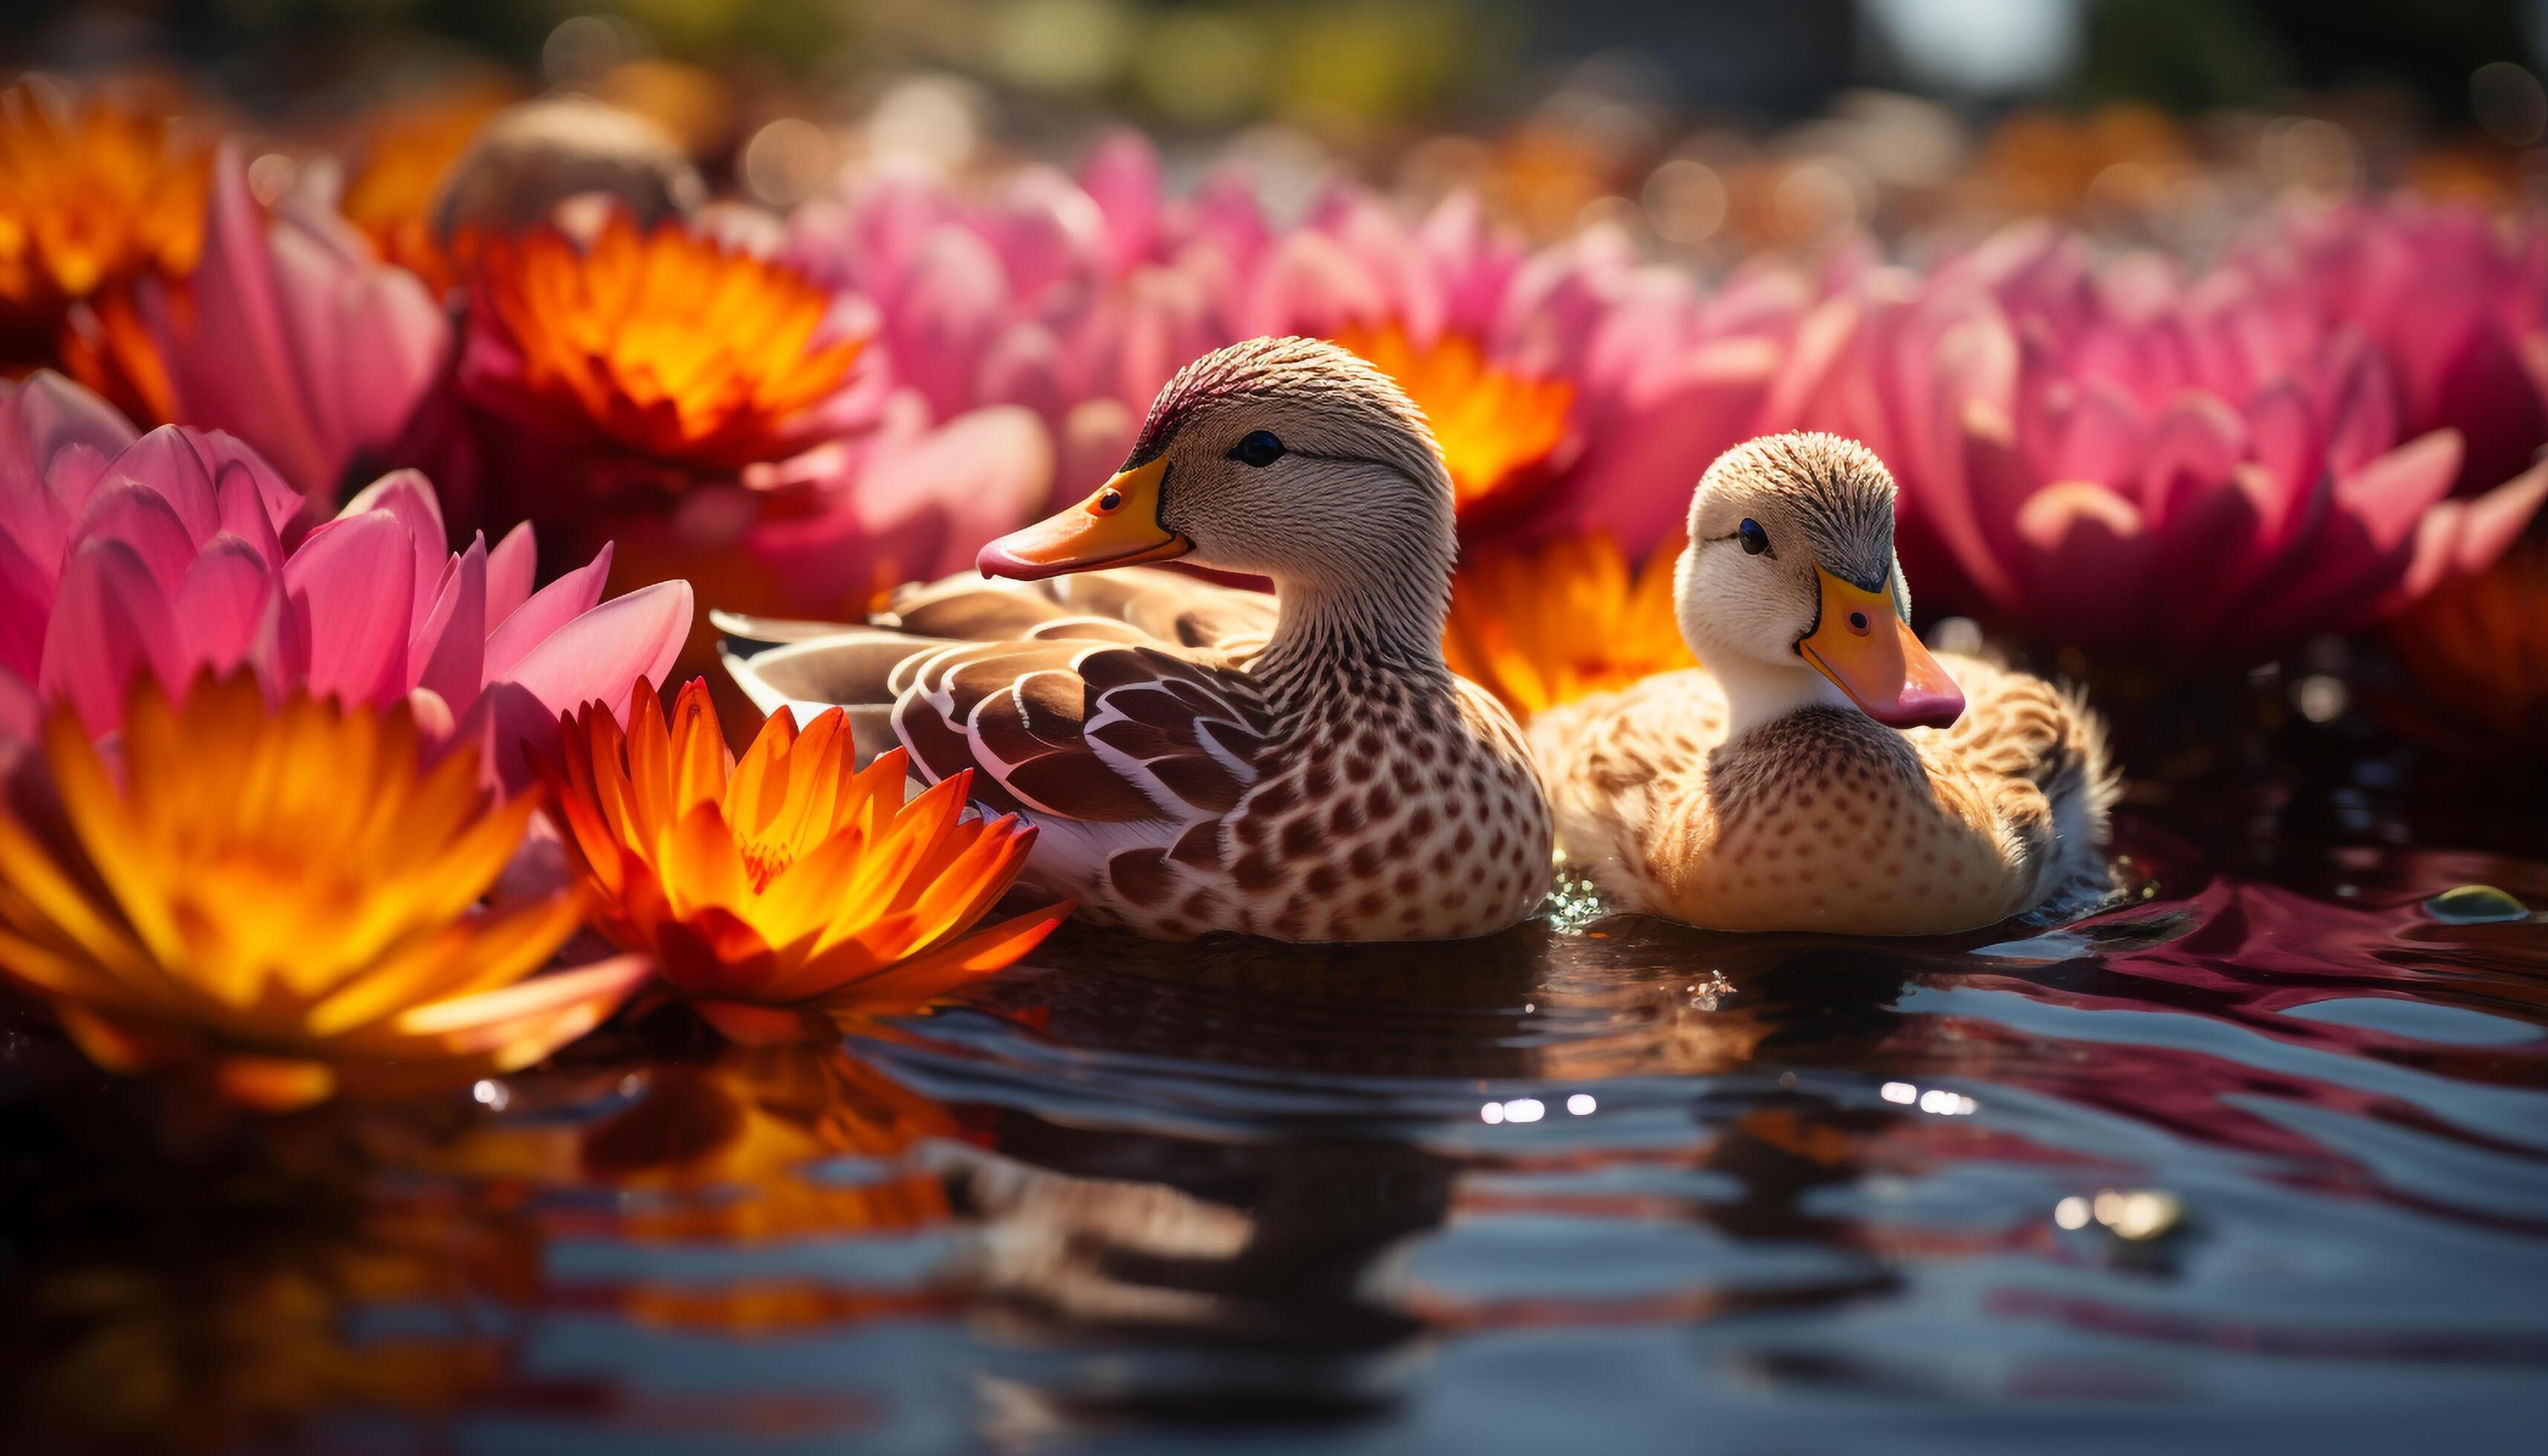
pixel 1193 761
pixel 1822 769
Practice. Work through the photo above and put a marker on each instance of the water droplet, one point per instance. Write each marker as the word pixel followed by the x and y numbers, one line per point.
pixel 2475 904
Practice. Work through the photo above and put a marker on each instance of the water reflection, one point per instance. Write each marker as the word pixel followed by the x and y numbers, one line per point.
pixel 1139 1189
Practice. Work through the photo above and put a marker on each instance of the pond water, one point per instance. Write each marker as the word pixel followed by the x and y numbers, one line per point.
pixel 2256 1157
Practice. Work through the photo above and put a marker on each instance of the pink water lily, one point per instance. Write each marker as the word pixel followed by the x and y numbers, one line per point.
pixel 2455 297
pixel 2141 463
pixel 297 338
pixel 1074 296
pixel 1079 295
pixel 163 553
pixel 908 500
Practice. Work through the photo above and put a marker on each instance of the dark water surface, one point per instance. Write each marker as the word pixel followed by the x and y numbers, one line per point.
pixel 1624 1188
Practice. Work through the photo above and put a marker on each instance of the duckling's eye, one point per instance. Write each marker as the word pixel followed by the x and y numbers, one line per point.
pixel 1754 540
pixel 1259 449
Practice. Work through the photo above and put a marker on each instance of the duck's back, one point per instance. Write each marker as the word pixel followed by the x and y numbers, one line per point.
pixel 1823 818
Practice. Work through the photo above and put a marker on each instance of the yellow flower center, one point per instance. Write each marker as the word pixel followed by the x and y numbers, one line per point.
pixel 1549 625
pixel 1497 427
pixel 665 342
pixel 90 197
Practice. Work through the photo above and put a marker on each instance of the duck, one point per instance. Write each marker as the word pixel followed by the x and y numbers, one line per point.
pixel 1822 769
pixel 1198 758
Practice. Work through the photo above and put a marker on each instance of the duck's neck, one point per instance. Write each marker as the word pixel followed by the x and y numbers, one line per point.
pixel 1334 625
pixel 1759 693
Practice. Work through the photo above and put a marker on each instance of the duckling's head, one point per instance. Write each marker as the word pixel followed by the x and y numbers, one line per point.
pixel 1790 569
pixel 1287 458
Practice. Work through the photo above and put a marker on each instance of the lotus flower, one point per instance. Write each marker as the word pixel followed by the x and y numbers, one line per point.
pixel 283 902
pixel 2453 297
pixel 163 553
pixel 905 500
pixel 1539 626
pixel 1571 390
pixel 294 338
pixel 2141 464
pixel 91 198
pixel 1075 297
pixel 666 353
pixel 1578 390
pixel 788 880
pixel 2479 646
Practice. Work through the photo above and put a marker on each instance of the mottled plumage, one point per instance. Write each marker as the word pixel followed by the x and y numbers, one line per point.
pixel 1200 758
pixel 1755 797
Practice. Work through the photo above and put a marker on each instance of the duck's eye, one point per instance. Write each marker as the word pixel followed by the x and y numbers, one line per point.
pixel 1259 449
pixel 1754 540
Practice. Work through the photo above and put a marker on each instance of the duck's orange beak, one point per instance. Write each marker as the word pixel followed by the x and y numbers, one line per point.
pixel 1863 645
pixel 1120 525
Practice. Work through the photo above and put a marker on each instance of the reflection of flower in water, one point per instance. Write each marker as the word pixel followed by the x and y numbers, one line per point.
pixel 169 1295
pixel 724 1154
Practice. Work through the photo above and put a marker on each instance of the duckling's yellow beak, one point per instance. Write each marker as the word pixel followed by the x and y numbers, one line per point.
pixel 1863 645
pixel 1119 525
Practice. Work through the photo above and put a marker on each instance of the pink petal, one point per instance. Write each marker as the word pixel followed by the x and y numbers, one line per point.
pixel 244 511
pixel 408 497
pixel 167 464
pixel 142 520
pixel 559 602
pixel 2195 445
pixel 227 610
pixel 42 416
pixel 2388 495
pixel 2087 564
pixel 25 603
pixel 2105 438
pixel 352 596
pixel 600 655
pixel 510 568
pixel 405 341
pixel 109 621
pixel 2364 413
pixel 451 645
pixel 1123 175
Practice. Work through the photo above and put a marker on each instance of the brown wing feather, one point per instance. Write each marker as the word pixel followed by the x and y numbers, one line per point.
pixel 1084 731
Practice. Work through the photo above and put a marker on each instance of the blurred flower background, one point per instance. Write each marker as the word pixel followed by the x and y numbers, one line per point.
pixel 390 390
pixel 2194 333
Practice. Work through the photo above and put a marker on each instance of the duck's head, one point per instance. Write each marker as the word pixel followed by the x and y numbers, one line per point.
pixel 1790 570
pixel 1287 458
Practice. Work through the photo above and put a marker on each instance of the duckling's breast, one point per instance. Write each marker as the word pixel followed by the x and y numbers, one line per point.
pixel 1824 820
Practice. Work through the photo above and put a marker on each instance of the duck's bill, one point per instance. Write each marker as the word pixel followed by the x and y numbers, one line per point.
pixel 1117 526
pixel 1870 654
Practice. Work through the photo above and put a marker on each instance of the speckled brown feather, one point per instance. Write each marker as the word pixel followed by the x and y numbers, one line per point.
pixel 1372 803
pixel 1824 818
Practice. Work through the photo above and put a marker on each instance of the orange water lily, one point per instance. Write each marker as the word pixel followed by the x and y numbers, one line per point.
pixel 285 902
pixel 2479 645
pixel 1546 625
pixel 791 880
pixel 91 196
pixel 1499 429
pixel 664 343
